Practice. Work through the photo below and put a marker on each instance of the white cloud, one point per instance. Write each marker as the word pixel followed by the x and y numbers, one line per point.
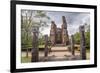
pixel 74 20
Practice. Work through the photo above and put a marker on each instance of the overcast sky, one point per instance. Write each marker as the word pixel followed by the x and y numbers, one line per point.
pixel 74 20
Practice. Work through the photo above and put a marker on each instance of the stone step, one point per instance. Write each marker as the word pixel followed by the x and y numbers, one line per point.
pixel 59 49
pixel 63 58
pixel 59 45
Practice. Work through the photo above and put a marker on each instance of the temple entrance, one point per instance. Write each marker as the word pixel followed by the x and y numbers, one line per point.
pixel 58 37
pixel 58 42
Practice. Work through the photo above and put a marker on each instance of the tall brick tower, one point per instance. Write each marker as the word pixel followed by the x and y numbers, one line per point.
pixel 53 33
pixel 65 38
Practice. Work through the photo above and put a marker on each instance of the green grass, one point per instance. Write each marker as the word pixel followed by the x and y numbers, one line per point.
pixel 25 59
pixel 41 46
pixel 87 50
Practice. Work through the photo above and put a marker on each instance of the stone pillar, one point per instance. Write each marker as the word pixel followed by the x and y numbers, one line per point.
pixel 27 52
pixel 49 44
pixel 53 33
pixel 46 46
pixel 72 45
pixel 35 49
pixel 69 46
pixel 82 43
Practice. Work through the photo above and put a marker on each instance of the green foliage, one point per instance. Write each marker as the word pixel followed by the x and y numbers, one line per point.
pixel 29 20
pixel 41 41
pixel 87 39
pixel 77 38
pixel 25 59
pixel 87 36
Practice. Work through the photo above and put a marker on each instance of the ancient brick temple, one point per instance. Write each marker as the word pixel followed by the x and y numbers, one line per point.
pixel 59 35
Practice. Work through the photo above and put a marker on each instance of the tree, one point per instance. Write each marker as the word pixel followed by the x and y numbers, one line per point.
pixel 87 39
pixel 26 19
pixel 29 19
pixel 77 38
pixel 87 36
pixel 42 19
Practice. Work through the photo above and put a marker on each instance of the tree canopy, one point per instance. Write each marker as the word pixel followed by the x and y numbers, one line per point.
pixel 30 19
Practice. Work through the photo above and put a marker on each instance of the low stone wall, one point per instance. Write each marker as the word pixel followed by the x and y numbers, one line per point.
pixel 29 49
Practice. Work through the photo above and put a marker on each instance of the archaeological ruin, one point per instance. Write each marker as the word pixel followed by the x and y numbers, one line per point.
pixel 59 35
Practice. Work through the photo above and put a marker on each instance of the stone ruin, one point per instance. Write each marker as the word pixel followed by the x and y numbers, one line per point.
pixel 59 35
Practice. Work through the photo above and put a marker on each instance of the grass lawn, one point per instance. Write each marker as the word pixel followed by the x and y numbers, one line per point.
pixel 25 59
